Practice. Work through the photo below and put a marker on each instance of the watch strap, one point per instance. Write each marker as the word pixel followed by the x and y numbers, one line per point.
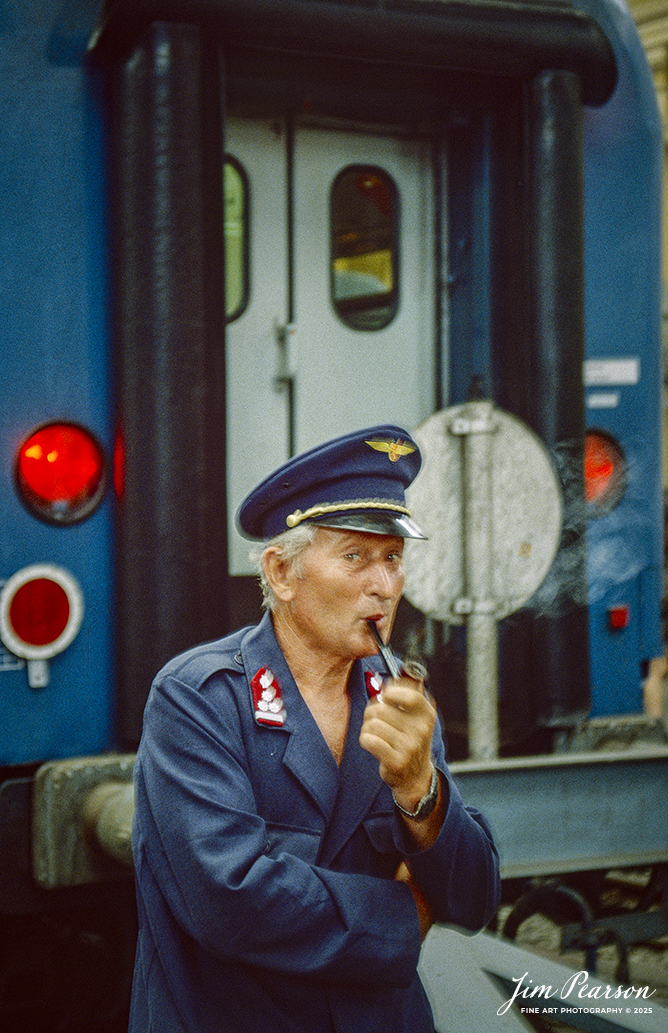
pixel 426 804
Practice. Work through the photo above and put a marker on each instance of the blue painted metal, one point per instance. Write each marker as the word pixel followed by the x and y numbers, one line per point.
pixel 623 168
pixel 469 258
pixel 623 155
pixel 55 365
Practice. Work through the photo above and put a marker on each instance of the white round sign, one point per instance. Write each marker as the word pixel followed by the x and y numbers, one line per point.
pixel 526 513
pixel 41 609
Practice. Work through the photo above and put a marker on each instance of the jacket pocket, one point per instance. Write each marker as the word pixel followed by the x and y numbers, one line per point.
pixel 290 839
pixel 379 829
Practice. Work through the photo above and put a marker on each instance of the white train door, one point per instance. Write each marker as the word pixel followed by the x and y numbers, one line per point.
pixel 335 331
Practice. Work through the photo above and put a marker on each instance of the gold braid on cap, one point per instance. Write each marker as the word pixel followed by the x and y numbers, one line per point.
pixel 293 519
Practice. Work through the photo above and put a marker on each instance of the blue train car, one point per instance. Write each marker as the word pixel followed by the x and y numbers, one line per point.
pixel 56 371
pixel 614 516
pixel 61 347
pixel 623 382
pixel 231 229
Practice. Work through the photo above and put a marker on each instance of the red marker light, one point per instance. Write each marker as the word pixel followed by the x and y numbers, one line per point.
pixel 41 608
pixel 60 472
pixel 39 611
pixel 604 471
pixel 619 617
pixel 119 465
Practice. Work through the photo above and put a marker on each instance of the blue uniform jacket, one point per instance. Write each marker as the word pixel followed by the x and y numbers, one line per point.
pixel 265 874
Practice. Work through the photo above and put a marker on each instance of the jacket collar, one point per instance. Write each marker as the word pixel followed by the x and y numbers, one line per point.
pixel 346 791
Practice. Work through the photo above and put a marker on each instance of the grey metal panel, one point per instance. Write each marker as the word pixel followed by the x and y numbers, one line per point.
pixel 462 996
pixel 456 971
pixel 568 813
pixel 65 851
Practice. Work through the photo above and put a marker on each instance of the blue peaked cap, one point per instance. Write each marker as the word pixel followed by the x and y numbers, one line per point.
pixel 356 481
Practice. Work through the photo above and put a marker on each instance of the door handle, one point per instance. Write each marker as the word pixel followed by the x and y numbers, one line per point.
pixel 284 380
pixel 284 377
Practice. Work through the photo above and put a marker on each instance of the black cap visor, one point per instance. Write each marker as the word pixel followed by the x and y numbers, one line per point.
pixel 373 522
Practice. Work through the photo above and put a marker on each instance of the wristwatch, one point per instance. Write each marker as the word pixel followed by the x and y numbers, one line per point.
pixel 426 804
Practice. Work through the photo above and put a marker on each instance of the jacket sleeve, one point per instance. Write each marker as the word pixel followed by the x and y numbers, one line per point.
pixel 459 874
pixel 199 839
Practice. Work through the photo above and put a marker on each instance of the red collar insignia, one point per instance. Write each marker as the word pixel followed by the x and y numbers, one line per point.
pixel 374 683
pixel 267 699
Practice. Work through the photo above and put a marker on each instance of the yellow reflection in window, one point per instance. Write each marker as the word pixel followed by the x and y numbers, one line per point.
pixel 364 221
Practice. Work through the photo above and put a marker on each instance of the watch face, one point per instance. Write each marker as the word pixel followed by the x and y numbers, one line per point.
pixel 426 804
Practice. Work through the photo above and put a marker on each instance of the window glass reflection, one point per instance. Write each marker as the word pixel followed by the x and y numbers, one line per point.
pixel 236 238
pixel 364 230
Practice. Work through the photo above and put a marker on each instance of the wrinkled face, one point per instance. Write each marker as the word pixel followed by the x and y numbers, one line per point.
pixel 347 577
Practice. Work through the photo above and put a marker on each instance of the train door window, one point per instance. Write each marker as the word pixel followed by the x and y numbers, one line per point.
pixel 364 247
pixel 300 369
pixel 235 187
pixel 346 378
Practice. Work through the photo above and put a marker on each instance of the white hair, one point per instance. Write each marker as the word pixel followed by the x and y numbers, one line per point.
pixel 291 544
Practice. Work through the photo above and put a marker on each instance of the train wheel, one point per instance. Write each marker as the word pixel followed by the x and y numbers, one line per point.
pixel 556 902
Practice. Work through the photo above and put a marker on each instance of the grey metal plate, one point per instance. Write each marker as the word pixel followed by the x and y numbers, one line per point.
pixel 63 853
pixel 526 513
pixel 456 969
pixel 551 815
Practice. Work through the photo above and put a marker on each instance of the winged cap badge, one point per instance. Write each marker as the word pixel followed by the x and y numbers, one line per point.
pixel 395 449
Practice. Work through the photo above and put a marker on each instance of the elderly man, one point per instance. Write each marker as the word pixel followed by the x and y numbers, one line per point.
pixel 297 830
